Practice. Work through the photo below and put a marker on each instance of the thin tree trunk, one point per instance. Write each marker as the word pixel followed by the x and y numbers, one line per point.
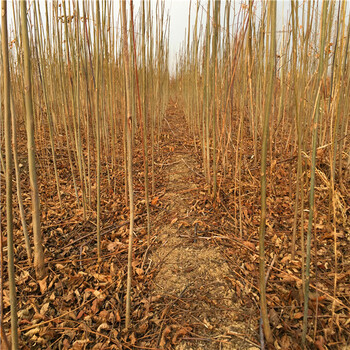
pixel 38 247
pixel 48 107
pixel 8 151
pixel 268 107
pixel 129 159
pixel 214 90
pixel 142 113
pixel 315 122
pixel 18 182
pixel 98 141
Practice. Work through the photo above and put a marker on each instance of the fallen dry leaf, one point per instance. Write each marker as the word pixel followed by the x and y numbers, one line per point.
pixel 298 315
pixel 173 221
pixel 154 201
pixel 165 334
pixel 132 338
pixel 43 285
pixel 249 244
pixel 180 333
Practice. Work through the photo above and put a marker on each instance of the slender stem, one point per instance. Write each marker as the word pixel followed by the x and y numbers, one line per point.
pixel 9 165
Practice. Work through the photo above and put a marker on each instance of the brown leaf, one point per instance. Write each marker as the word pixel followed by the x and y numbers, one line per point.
pixel 44 309
pixel 95 306
pixel 117 316
pixel 180 333
pixel 273 164
pixel 139 271
pixel 6 297
pixel 66 344
pixel 80 344
pixel 285 342
pixel 102 278
pixel 103 326
pixel 249 245
pixel 298 315
pixel 165 334
pixel 249 266
pixel 173 221
pixel 142 328
pixel 132 338
pixel 80 314
pixel 154 201
pixel 104 314
pixel 43 285
pixel 319 343
pixel 273 316
pixel 32 332
pixel 286 277
pixel 113 245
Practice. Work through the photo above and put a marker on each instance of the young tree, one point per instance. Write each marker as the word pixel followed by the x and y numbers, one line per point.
pixel 315 119
pixel 38 247
pixel 98 131
pixel 129 158
pixel 9 214
pixel 268 102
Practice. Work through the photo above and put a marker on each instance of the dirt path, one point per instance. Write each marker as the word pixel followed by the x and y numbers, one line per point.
pixel 202 307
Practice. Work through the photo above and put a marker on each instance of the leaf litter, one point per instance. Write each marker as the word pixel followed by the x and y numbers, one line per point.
pixel 198 287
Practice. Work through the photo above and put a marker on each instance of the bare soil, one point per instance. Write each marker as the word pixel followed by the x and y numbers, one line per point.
pixel 193 275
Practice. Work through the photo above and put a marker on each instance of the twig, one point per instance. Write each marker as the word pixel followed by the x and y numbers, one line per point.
pixel 170 126
pixel 243 337
pixel 107 230
pixel 192 169
pixel 167 164
pixel 167 309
